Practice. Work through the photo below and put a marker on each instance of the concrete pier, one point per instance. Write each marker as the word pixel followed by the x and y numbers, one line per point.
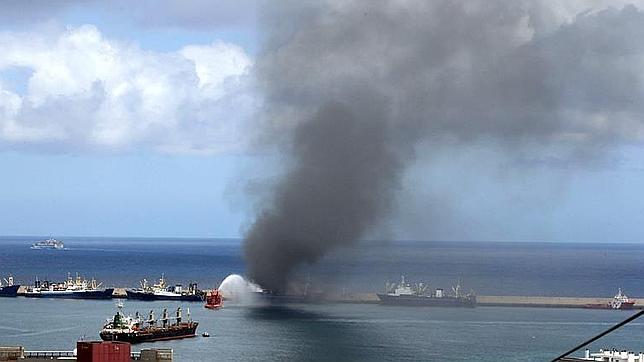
pixel 500 300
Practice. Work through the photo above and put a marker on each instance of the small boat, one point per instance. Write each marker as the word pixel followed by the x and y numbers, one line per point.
pixel 205 334
pixel 136 329
pixel 619 301
pixel 214 300
pixel 50 243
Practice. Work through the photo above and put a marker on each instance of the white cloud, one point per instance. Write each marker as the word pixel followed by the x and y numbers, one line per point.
pixel 89 92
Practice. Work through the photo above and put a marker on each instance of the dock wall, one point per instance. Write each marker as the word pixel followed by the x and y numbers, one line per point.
pixel 501 301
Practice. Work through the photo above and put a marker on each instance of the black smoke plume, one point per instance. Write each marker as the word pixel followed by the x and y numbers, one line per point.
pixel 351 86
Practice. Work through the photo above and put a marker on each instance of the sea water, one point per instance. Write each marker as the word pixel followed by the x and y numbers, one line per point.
pixel 338 331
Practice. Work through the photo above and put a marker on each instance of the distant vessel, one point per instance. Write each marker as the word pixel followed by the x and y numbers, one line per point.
pixel 619 301
pixel 136 330
pixel 78 288
pixel 420 295
pixel 613 355
pixel 214 300
pixel 8 289
pixel 161 291
pixel 50 243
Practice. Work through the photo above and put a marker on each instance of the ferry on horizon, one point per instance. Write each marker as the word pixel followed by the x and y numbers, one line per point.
pixel 161 291
pixel 8 289
pixel 51 244
pixel 136 330
pixel 78 288
pixel 419 295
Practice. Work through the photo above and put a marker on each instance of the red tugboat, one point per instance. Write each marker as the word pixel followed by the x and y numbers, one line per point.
pixel 620 301
pixel 214 300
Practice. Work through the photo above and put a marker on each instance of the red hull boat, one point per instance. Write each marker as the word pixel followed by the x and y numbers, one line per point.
pixel 214 300
pixel 620 301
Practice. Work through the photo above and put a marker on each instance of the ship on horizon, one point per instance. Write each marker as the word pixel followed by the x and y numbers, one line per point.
pixel 137 330
pixel 8 288
pixel 78 288
pixel 161 291
pixel 51 244
pixel 405 294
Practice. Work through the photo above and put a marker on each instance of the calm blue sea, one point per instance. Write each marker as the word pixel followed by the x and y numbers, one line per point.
pixel 539 269
pixel 339 332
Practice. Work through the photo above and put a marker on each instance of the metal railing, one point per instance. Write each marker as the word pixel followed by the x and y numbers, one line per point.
pixel 49 354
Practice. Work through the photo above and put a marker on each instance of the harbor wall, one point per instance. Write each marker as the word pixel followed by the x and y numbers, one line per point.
pixel 501 300
pixel 483 300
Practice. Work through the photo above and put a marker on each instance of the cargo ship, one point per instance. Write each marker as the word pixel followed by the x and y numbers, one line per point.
pixel 78 288
pixel 404 293
pixel 619 301
pixel 8 289
pixel 161 291
pixel 136 330
pixel 50 243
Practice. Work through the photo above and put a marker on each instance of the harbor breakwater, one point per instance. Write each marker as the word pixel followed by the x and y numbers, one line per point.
pixel 502 301
pixel 482 300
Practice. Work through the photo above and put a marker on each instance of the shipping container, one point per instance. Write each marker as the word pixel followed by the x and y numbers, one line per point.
pixel 103 351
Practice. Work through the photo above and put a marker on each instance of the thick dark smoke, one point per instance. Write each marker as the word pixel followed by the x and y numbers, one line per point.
pixel 344 169
pixel 351 87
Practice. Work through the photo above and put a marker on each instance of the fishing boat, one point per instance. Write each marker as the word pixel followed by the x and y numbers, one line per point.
pixel 78 288
pixel 419 294
pixel 161 291
pixel 8 289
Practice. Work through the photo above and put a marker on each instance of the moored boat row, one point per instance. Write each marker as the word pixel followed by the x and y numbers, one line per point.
pixel 81 288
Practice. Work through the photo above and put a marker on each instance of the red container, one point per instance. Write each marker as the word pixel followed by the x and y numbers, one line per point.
pixel 103 352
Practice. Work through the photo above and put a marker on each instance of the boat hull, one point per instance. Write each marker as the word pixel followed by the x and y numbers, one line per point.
pixel 93 294
pixel 420 301
pixel 133 294
pixel 623 306
pixel 186 330
pixel 9 291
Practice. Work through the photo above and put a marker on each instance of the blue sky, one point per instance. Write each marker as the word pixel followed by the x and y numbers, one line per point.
pixel 114 192
pixel 138 123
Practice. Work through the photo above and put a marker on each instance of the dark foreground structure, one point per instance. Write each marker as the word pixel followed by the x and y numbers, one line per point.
pixel 564 357
pixel 89 351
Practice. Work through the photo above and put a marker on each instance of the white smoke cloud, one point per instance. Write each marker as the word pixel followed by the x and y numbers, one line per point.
pixel 85 91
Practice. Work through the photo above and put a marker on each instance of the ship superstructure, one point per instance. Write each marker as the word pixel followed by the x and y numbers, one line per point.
pixel 74 288
pixel 419 294
pixel 135 329
pixel 162 291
